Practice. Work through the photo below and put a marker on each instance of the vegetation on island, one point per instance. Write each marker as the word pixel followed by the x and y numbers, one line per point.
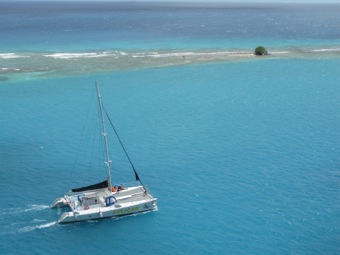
pixel 261 51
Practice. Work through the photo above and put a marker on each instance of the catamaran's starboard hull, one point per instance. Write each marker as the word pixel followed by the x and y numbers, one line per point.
pixel 107 212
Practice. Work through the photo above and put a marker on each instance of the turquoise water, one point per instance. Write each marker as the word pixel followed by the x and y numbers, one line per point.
pixel 242 156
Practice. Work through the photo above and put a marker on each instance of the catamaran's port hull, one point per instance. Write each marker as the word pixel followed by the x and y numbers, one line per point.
pixel 108 212
pixel 102 203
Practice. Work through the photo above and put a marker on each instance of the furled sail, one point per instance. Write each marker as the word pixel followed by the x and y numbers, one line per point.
pixel 99 185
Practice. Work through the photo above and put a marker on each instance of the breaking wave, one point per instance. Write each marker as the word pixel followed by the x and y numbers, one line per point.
pixel 11 56
pixel 76 55
pixel 84 55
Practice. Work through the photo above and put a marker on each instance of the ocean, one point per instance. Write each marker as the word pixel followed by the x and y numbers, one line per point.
pixel 242 152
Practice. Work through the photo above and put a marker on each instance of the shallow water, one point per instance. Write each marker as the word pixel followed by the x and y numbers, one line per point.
pixel 18 66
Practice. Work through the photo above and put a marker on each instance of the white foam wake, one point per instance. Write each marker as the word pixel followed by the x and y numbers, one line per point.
pixel 31 228
pixel 19 210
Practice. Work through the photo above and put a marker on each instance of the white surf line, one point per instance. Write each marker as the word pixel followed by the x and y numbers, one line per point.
pixel 11 56
pixel 80 55
pixel 198 54
pixel 9 69
pixel 326 50
pixel 279 52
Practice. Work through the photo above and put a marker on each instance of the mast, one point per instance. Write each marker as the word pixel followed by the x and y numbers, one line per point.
pixel 108 161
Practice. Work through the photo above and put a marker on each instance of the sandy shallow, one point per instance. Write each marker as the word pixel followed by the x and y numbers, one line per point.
pixel 47 64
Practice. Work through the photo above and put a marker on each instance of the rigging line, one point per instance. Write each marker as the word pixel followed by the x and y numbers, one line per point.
pixel 126 154
pixel 100 143
pixel 81 141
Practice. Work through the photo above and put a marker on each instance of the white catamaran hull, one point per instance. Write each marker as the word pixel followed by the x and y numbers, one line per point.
pixel 96 204
pixel 112 211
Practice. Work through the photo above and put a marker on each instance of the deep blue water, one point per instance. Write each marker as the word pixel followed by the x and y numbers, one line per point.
pixel 243 157
pixel 92 25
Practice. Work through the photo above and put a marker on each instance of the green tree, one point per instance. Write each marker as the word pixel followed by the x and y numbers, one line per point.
pixel 260 51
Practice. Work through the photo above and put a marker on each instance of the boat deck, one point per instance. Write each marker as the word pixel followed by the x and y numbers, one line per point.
pixel 96 199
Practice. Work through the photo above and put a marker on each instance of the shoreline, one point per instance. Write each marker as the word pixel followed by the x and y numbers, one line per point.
pixel 59 64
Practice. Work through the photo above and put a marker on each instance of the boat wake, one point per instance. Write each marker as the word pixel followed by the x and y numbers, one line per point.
pixel 31 228
pixel 20 210
pixel 28 226
pixel 23 219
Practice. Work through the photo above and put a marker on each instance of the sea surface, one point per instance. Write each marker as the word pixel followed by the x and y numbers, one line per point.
pixel 242 152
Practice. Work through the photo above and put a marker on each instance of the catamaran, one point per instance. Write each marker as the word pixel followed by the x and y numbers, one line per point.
pixel 103 200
